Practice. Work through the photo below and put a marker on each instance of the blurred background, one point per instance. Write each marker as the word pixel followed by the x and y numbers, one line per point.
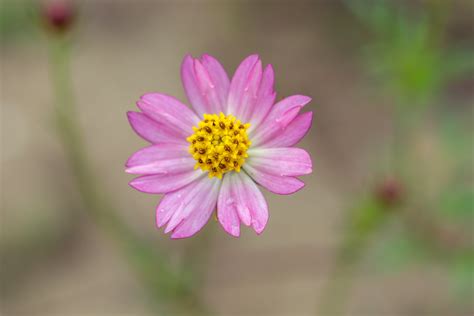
pixel 384 225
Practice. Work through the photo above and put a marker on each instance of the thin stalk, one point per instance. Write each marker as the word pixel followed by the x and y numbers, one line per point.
pixel 162 280
pixel 365 223
pixel 366 220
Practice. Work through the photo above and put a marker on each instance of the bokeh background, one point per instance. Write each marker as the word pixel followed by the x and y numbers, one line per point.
pixel 384 225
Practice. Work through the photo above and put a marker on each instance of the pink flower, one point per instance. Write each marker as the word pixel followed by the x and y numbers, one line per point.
pixel 214 155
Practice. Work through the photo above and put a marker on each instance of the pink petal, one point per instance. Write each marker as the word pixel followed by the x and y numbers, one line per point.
pixel 206 84
pixel 151 130
pixel 177 204
pixel 287 161
pixel 293 133
pixel 219 77
pixel 164 183
pixel 273 183
pixel 240 200
pixel 265 99
pixel 280 116
pixel 249 94
pixel 161 158
pixel 229 220
pixel 170 112
pixel 239 83
pixel 207 88
pixel 174 202
pixel 227 213
pixel 191 87
pixel 193 207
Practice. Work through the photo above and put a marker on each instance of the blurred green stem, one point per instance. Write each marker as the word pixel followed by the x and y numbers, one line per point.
pixel 162 280
pixel 365 221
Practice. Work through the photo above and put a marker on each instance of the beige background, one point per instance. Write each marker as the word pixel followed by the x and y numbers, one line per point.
pixel 125 48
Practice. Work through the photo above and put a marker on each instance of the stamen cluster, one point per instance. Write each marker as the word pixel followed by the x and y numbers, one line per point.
pixel 219 144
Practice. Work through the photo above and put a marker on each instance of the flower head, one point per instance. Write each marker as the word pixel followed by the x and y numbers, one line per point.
pixel 219 144
pixel 213 156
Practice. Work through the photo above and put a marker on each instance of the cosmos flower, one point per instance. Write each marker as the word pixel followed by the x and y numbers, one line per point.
pixel 213 156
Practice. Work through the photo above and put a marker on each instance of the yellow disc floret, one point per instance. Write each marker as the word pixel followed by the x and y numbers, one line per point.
pixel 219 144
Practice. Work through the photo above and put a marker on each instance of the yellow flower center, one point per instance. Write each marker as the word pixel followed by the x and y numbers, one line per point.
pixel 219 144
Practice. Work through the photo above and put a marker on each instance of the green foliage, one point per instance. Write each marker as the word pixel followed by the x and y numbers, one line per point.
pixel 407 52
pixel 456 135
pixel 458 204
pixel 397 250
pixel 401 249
pixel 462 270
pixel 364 220
pixel 17 20
pixel 456 201
pixel 366 216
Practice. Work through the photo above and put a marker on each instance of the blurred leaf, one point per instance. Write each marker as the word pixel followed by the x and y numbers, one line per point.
pixel 406 51
pixel 398 250
pixel 366 216
pixel 456 134
pixel 458 203
pixel 409 62
pixel 457 200
pixel 365 219
pixel 17 19
pixel 375 14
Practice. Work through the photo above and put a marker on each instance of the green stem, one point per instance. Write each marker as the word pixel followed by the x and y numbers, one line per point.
pixel 336 291
pixel 160 278
pixel 365 222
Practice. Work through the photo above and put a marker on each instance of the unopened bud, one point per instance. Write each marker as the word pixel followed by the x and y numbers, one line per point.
pixel 389 192
pixel 58 14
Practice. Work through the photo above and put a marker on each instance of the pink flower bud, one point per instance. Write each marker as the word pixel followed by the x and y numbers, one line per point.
pixel 389 192
pixel 58 14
